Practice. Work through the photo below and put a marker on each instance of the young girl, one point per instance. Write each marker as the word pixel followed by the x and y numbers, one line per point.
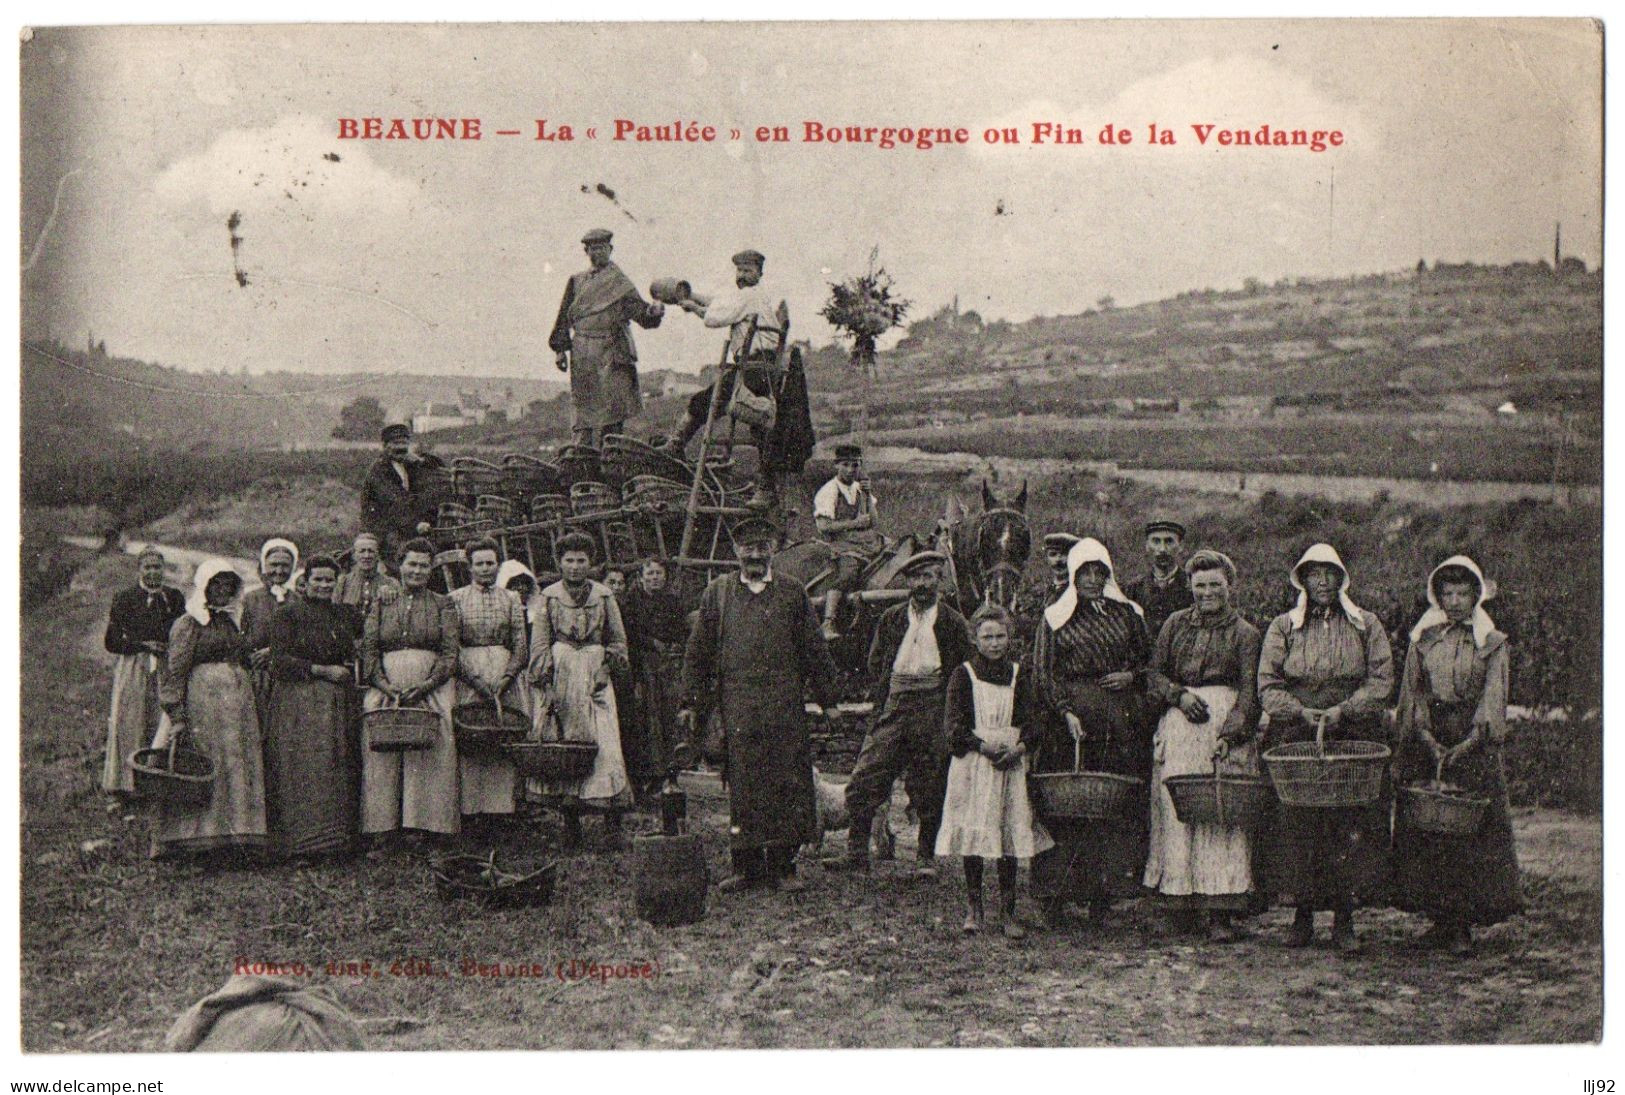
pixel 990 719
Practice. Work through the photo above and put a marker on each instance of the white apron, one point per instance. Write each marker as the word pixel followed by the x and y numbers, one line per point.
pixel 586 715
pixel 487 782
pixel 986 812
pixel 416 789
pixel 1196 859
pixel 132 720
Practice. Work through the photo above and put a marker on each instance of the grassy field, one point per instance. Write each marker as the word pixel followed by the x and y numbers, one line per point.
pixel 114 946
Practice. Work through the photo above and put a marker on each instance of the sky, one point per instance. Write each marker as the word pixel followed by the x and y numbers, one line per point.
pixel 1463 140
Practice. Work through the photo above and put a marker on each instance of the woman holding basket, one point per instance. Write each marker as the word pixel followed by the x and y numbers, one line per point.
pixel 1205 670
pixel 409 651
pixel 1089 661
pixel 1451 723
pixel 1327 661
pixel 493 654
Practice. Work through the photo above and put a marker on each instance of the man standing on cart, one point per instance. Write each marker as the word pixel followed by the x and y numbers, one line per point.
pixel 755 338
pixel 593 340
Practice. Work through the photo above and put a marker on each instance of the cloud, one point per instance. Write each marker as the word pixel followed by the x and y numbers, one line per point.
pixel 295 166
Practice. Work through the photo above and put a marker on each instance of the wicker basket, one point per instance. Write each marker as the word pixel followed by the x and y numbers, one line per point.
pixel 471 477
pixel 594 498
pixel 1437 807
pixel 1083 796
pixel 480 731
pixel 553 761
pixel 1343 775
pixel 177 777
pixel 483 879
pixel 396 729
pixel 1230 801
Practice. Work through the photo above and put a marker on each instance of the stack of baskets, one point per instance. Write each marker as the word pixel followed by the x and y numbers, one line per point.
pixel 1342 775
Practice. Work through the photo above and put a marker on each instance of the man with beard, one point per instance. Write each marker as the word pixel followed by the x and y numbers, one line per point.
pixel 916 646
pixel 754 654
pixel 1162 590
pixel 755 337
pixel 593 340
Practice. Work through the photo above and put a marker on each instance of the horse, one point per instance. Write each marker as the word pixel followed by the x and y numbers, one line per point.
pixel 987 552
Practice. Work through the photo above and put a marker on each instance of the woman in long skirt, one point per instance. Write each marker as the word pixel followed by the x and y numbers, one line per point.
pixel 1452 710
pixel 311 766
pixel 1089 660
pixel 577 632
pixel 409 653
pixel 278 561
pixel 1205 670
pixel 138 634
pixel 1327 660
pixel 494 653
pixel 656 629
pixel 209 702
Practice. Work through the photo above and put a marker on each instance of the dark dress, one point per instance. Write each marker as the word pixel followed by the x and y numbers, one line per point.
pixel 259 607
pixel 648 726
pixel 1451 685
pixel 312 764
pixel 1160 599
pixel 753 658
pixel 1092 860
pixel 1323 858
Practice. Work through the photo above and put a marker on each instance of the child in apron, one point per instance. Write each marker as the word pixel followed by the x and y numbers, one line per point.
pixel 990 722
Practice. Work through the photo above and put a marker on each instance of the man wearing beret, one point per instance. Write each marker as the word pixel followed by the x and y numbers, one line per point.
pixel 916 647
pixel 753 656
pixel 784 447
pixel 593 340
pixel 395 502
pixel 1162 590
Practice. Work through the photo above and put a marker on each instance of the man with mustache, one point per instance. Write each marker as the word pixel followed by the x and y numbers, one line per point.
pixel 1161 590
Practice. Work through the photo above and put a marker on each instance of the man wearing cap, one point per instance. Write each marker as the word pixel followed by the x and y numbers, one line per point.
pixel 1040 594
pixel 844 514
pixel 755 335
pixel 1162 590
pixel 754 654
pixel 916 646
pixel 593 340
pixel 395 506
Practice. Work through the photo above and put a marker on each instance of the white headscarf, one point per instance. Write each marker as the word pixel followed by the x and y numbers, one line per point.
pixel 1087 550
pixel 197 604
pixel 511 569
pixel 1323 553
pixel 1434 616
pixel 280 592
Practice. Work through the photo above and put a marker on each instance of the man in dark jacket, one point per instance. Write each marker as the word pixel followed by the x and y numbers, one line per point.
pixel 1163 589
pixel 916 646
pixel 395 504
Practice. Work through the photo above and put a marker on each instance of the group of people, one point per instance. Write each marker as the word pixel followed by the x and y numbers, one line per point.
pixel 271 685
pixel 1168 679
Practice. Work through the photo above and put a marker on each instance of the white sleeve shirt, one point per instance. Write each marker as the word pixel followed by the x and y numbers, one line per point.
pixel 918 654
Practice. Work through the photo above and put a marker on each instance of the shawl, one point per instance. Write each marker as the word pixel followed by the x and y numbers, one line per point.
pixel 598 290
pixel 1434 616
pixel 1323 553
pixel 1087 550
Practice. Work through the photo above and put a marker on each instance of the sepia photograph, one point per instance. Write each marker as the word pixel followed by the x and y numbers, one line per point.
pixel 810 535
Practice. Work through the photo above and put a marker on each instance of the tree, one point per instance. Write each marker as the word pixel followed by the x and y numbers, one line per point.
pixel 362 419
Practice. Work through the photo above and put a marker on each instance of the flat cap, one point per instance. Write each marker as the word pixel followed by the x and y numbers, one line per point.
pixel 1063 540
pixel 598 235
pixel 922 559
pixel 396 430
pixel 1165 524
pixel 750 258
pixel 753 530
pixel 848 452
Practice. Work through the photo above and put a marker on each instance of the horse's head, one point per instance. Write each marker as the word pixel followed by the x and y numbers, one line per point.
pixel 1001 545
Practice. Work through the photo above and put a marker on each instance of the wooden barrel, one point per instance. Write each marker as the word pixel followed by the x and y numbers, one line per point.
pixel 671 878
